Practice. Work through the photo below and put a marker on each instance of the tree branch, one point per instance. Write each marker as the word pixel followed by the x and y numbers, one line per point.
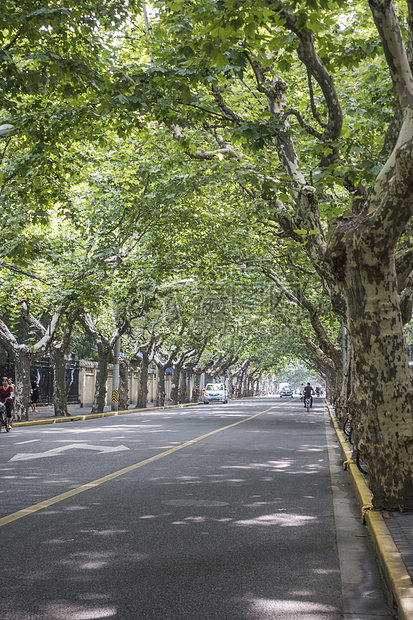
pixel 388 28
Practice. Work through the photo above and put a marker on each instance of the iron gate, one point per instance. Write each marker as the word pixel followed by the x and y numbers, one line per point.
pixel 42 369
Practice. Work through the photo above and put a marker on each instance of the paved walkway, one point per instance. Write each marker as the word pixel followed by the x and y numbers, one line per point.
pixel 391 532
pixel 400 526
pixel 46 412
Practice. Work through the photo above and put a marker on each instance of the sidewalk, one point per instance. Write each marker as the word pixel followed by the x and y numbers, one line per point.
pixel 45 413
pixel 391 532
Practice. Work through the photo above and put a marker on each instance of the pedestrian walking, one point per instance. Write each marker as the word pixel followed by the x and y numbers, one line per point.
pixel 10 382
pixel 6 397
pixel 35 394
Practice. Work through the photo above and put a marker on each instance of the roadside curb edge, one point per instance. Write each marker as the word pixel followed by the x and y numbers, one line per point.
pixel 393 567
pixel 92 416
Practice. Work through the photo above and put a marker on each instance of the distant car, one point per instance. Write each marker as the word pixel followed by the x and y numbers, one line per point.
pixel 215 392
pixel 286 392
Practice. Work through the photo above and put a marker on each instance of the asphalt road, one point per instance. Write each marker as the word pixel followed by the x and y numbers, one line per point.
pixel 216 512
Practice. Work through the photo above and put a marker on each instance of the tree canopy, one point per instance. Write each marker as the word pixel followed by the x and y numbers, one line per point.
pixel 261 151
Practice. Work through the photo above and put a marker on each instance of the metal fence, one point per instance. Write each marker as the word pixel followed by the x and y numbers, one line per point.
pixel 42 369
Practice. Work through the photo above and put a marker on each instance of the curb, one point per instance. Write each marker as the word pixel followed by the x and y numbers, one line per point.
pixel 92 416
pixel 394 569
pixel 105 414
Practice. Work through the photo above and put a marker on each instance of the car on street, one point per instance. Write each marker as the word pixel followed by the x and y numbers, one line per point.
pixel 215 392
pixel 286 392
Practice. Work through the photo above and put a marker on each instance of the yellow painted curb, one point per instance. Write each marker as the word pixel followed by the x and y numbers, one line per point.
pixel 394 569
pixel 361 489
pixel 92 416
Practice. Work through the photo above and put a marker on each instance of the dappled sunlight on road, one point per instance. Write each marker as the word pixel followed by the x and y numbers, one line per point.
pixel 174 528
pixel 281 520
pixel 263 609
pixel 95 563
pixel 285 466
pixel 63 610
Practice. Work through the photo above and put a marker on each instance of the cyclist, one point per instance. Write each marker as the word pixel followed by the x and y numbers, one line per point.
pixel 6 397
pixel 307 393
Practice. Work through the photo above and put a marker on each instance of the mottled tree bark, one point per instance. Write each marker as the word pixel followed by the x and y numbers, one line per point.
pixel 176 369
pixel 143 378
pixel 59 382
pixel 183 393
pixel 382 395
pixel 99 399
pixel 196 387
pixel 22 384
pixel 124 366
pixel 160 386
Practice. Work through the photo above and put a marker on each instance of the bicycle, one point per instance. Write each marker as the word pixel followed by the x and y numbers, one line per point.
pixel 361 465
pixel 4 421
pixel 348 430
pixel 308 403
pixel 347 425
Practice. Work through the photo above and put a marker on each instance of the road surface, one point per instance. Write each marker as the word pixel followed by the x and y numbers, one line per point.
pixel 233 511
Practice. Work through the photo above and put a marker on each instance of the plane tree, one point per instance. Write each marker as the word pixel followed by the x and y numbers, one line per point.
pixel 58 347
pixel 303 111
pixel 24 354
pixel 33 294
pixel 295 100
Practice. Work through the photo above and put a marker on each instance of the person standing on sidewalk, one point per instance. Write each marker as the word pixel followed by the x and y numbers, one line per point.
pixel 35 393
pixel 6 397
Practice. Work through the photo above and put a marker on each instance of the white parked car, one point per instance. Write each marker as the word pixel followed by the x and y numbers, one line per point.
pixel 215 392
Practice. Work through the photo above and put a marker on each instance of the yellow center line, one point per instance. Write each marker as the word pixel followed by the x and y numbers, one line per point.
pixel 95 483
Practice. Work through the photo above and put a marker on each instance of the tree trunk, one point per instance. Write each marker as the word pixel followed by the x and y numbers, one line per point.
pixel 59 382
pixel 160 386
pixel 99 400
pixel 123 384
pixel 176 368
pixel 383 414
pixel 143 381
pixel 238 389
pixel 325 367
pixel 22 385
pixel 105 348
pixel 247 385
pixel 59 349
pixel 183 394
pixel 382 397
pixel 230 384
pixel 196 385
pixel 244 386
pixel 342 403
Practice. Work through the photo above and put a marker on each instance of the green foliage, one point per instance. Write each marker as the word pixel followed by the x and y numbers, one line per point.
pixel 100 201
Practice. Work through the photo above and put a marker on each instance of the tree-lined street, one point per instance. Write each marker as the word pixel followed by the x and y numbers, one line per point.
pixel 222 186
pixel 209 512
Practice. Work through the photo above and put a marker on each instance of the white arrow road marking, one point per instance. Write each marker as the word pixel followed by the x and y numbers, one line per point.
pixel 28 456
